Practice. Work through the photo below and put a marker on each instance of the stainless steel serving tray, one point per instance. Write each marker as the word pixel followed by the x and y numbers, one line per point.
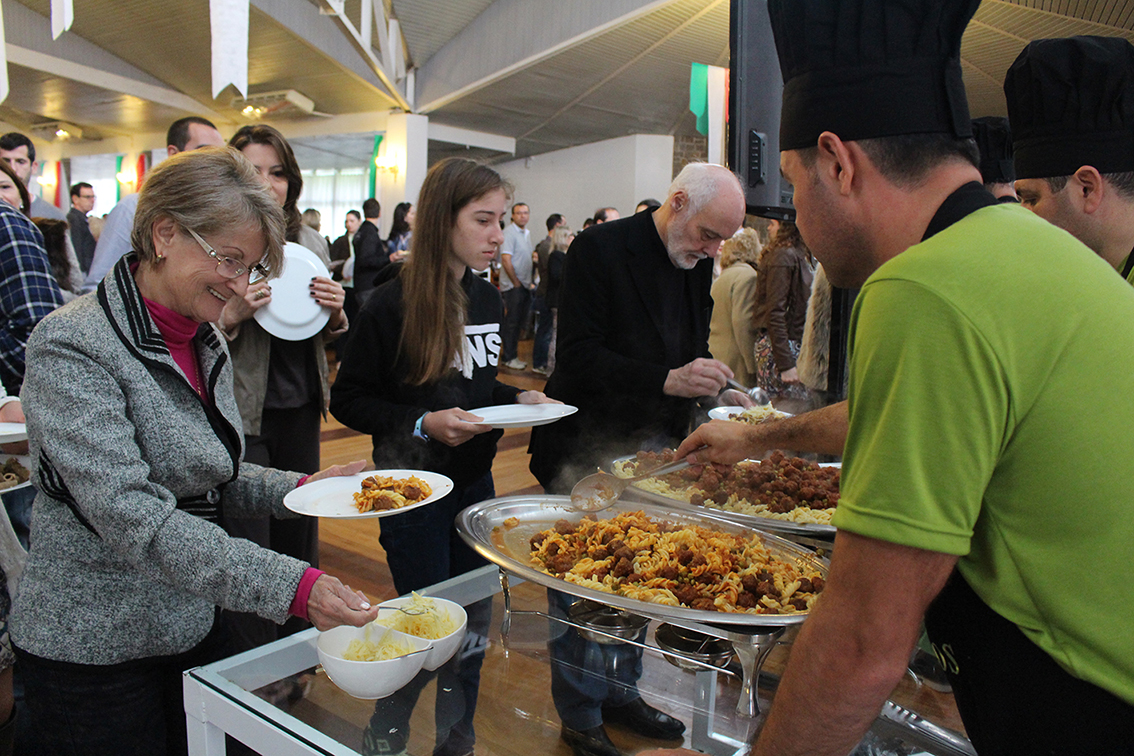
pixel 812 534
pixel 482 527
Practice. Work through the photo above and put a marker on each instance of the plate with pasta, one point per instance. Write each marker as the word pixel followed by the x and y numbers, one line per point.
pixel 649 560
pixel 376 493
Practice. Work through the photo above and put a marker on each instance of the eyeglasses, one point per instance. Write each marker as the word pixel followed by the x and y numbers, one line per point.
pixel 228 267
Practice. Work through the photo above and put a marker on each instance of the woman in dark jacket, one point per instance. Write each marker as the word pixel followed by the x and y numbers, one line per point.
pixel 783 285
pixel 423 352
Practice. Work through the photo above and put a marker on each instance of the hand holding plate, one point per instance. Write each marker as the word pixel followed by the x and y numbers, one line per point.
pixel 453 427
pixel 535 397
pixel 334 471
pixel 239 309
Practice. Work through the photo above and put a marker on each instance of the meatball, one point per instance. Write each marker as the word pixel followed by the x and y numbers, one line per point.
pixel 623 568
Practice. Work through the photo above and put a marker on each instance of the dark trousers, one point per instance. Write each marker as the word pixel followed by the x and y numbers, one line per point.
pixel 422 548
pixel 586 676
pixel 288 440
pixel 517 307
pixel 544 330
pixel 135 708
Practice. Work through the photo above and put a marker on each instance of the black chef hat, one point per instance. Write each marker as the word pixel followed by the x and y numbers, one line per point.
pixel 870 68
pixel 1071 103
pixel 994 138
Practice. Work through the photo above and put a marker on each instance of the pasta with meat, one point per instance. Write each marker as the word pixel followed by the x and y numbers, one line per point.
pixel 665 563
pixel 780 487
pixel 381 492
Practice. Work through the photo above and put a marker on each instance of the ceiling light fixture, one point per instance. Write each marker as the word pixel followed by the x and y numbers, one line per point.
pixel 282 104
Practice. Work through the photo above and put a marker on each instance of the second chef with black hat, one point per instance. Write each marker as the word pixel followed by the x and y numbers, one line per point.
pixel 993 136
pixel 1071 106
pixel 974 494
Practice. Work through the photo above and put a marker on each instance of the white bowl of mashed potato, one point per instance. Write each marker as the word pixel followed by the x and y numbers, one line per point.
pixel 370 662
pixel 439 621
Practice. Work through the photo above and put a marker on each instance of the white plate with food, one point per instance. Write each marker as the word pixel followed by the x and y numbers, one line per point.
pixel 752 415
pixel 522 415
pixel 12 432
pixel 15 472
pixel 293 315
pixel 335 497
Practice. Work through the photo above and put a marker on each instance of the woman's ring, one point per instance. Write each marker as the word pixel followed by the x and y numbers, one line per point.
pixel 261 294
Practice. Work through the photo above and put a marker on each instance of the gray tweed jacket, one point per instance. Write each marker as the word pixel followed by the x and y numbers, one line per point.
pixel 133 469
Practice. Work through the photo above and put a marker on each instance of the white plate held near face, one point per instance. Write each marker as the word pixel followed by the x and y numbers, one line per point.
pixel 523 415
pixel 293 315
pixel 334 497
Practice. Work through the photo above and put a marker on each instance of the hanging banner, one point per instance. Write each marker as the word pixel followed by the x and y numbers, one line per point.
pixel 3 61
pixel 59 183
pixel 229 21
pixel 62 16
pixel 374 166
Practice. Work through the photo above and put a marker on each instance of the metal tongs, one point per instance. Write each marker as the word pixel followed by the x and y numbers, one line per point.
pixel 601 490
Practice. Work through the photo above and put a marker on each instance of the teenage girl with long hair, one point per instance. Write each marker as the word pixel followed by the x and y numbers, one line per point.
pixel 423 351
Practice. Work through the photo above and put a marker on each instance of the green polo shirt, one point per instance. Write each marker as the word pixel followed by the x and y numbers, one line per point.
pixel 991 401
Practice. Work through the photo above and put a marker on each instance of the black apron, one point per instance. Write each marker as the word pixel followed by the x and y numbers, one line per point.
pixel 1128 266
pixel 1012 696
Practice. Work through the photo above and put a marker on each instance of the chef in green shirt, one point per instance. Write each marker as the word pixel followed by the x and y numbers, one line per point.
pixel 987 472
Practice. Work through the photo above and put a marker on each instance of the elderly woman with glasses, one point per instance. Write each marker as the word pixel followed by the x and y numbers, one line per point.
pixel 136 450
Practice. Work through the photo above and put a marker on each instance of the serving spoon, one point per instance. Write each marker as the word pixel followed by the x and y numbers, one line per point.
pixel 599 491
pixel 756 394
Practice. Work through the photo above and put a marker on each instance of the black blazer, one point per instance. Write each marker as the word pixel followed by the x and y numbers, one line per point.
pixel 370 257
pixel 613 353
pixel 340 250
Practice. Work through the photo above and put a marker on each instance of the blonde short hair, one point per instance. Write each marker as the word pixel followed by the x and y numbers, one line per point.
pixel 743 247
pixel 561 237
pixel 210 190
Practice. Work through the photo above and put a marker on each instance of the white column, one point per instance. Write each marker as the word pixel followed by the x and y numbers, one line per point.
pixel 403 162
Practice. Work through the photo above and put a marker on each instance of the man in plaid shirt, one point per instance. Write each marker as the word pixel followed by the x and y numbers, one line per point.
pixel 28 291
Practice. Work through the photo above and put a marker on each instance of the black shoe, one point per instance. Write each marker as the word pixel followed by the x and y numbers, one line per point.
pixel 643 719
pixel 592 742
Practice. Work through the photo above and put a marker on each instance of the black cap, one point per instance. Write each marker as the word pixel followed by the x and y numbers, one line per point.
pixel 870 68
pixel 1071 103
pixel 994 138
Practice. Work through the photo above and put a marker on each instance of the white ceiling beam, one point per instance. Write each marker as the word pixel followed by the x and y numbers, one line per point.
pixel 68 69
pixel 469 138
pixel 319 24
pixel 511 35
pixel 74 58
pixel 335 10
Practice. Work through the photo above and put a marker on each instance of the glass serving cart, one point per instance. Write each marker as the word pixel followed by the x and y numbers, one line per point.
pixel 515 714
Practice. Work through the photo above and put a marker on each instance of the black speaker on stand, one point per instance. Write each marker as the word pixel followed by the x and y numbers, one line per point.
pixel 755 90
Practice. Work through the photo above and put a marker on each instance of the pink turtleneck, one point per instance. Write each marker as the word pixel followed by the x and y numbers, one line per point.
pixel 178 332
